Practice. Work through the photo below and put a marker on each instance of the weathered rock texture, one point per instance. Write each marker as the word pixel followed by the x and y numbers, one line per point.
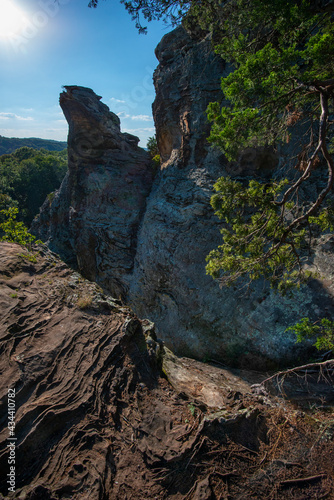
pixel 149 245
pixel 169 284
pixel 94 217
pixel 95 421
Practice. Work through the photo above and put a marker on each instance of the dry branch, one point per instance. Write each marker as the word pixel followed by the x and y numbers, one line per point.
pixel 329 365
pixel 301 480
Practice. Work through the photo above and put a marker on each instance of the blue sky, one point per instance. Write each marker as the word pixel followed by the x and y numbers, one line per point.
pixel 63 42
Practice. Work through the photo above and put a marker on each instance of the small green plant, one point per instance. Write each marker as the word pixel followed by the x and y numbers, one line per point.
pixel 14 231
pixel 324 331
pixel 85 302
pixel 156 160
pixel 28 256
pixel 13 295
pixel 51 197
pixel 152 147
pixel 192 409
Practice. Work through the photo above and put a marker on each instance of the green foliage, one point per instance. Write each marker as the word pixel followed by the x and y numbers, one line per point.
pixel 28 176
pixel 278 50
pixel 14 231
pixel 152 148
pixel 170 11
pixel 156 160
pixel 283 55
pixel 10 145
pixel 6 202
pixel 324 332
pixel 30 257
pixel 192 409
pixel 255 240
pixel 51 197
pixel 259 94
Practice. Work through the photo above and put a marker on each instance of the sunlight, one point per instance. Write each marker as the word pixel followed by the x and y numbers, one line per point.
pixel 12 19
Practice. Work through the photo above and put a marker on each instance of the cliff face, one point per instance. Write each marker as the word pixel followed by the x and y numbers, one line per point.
pixel 95 215
pixel 149 242
pixel 169 284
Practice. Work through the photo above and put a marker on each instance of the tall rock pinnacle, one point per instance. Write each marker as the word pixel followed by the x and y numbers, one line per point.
pixel 94 217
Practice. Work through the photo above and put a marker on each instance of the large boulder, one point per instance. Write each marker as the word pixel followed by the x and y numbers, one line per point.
pixel 169 284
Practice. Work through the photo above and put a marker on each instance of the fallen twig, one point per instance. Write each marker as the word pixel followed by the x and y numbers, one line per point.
pixel 301 480
pixel 248 449
pixel 283 373
pixel 197 447
pixel 189 431
pixel 191 491
pixel 286 463
pixel 129 423
pixel 243 457
pixel 225 475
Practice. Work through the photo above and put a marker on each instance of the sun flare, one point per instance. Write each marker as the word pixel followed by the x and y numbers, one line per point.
pixel 12 19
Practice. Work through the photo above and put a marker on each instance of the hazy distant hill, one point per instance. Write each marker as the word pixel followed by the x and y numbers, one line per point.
pixel 9 145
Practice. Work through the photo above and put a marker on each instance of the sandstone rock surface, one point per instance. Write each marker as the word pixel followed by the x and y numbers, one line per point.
pixel 94 419
pixel 93 219
pixel 148 242
pixel 169 284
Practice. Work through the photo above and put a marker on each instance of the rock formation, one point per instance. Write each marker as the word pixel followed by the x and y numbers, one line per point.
pixel 148 243
pixel 94 217
pixel 169 284
pixel 80 379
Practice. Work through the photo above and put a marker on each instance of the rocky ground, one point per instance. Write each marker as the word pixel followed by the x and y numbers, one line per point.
pixel 104 411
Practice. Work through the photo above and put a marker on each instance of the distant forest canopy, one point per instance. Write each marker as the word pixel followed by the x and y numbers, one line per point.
pixel 28 176
pixel 10 144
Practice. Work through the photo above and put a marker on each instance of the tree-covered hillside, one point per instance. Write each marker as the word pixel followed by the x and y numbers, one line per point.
pixel 27 177
pixel 9 145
